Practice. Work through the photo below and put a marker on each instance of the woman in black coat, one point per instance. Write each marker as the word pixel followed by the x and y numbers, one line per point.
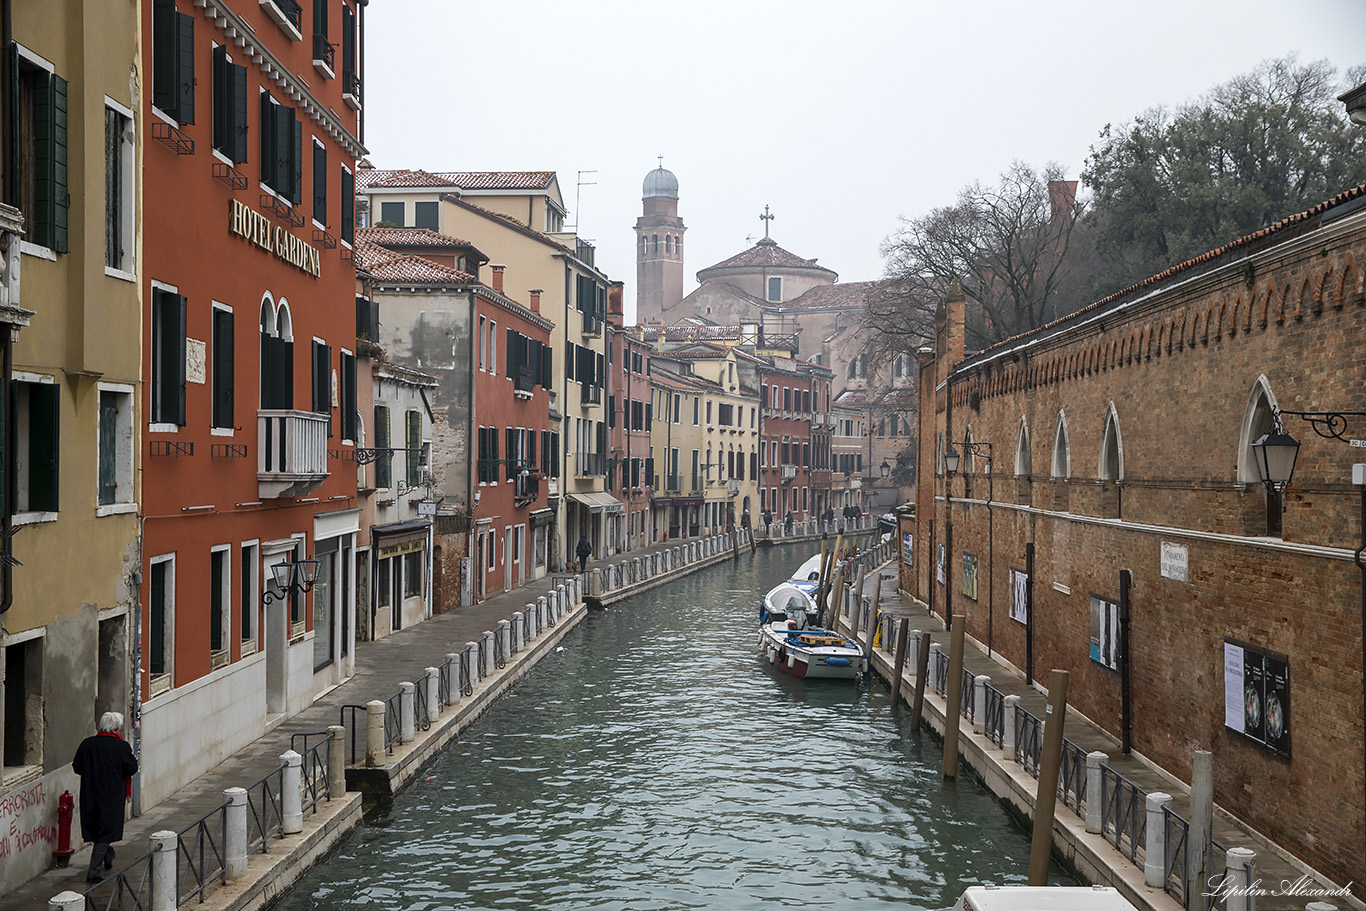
pixel 106 765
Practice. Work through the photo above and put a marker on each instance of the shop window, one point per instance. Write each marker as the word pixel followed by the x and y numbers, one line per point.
pixel 23 705
pixel 412 574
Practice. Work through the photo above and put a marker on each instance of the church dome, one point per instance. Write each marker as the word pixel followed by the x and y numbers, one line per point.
pixel 660 182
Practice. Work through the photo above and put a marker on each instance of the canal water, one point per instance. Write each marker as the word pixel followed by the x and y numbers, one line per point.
pixel 655 762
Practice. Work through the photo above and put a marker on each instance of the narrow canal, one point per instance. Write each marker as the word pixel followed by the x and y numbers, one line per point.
pixel 656 763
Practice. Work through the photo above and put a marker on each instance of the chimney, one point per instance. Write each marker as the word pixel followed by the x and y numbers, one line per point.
pixel 950 327
pixel 1062 197
pixel 498 277
pixel 535 298
pixel 616 313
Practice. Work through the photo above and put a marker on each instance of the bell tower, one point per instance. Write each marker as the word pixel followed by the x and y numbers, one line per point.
pixel 659 248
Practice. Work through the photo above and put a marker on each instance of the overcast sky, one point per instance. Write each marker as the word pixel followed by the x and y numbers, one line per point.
pixel 840 116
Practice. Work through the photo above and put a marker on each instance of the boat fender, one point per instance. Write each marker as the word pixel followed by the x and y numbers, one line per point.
pixel 837 662
pixel 772 655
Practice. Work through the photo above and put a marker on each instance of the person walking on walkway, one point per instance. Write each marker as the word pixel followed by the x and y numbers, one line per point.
pixel 787 523
pixel 583 552
pixel 106 765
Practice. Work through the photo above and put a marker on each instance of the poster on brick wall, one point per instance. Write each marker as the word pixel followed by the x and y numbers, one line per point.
pixel 1019 596
pixel 1105 632
pixel 939 565
pixel 1257 694
pixel 970 576
pixel 908 549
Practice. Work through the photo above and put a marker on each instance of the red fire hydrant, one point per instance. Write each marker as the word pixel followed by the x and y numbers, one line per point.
pixel 66 807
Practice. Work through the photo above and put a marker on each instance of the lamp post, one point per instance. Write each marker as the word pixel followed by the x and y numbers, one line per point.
pixel 292 577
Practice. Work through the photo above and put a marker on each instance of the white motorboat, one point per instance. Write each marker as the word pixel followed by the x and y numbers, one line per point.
pixel 808 576
pixel 1041 898
pixel 802 651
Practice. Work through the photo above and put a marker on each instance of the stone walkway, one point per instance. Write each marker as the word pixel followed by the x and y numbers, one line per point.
pixel 1272 865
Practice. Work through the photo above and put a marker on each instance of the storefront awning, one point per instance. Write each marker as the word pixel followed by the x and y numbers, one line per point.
pixel 400 538
pixel 597 500
pixel 677 501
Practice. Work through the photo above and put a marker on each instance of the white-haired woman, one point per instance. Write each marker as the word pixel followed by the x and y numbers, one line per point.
pixel 106 765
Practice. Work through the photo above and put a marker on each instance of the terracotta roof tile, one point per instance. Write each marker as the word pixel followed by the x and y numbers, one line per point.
pixel 765 254
pixel 395 268
pixel 499 180
pixel 839 296
pixel 399 238
pixel 372 178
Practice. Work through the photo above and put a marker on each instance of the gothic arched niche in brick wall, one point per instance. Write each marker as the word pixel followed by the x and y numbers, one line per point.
pixel 1349 287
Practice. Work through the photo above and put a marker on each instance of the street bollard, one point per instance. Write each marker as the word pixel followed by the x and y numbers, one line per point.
pixel 336 762
pixel 518 625
pixel 164 846
pixel 433 692
pixel 979 703
pixel 235 834
pixel 504 634
pixel 374 734
pixel 1095 811
pixel 1198 831
pixel 452 669
pixel 1008 726
pixel 487 654
pixel 407 712
pixel 1238 866
pixel 1154 851
pixel 66 901
pixel 292 793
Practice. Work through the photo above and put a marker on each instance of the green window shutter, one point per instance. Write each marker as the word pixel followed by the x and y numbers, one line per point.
pixel 384 459
pixel 320 184
pixel 512 453
pixel 348 45
pixel 348 203
pixel 216 638
pixel 43 193
pixel 181 335
pixel 185 81
pixel 348 396
pixel 547 367
pixel 413 444
pixel 238 120
pixel 510 353
pixel 156 622
pixel 223 369
pixel 108 456
pixel 44 446
pixel 164 62
pixel 297 171
pixel 284 150
pixel 268 161
pixel 61 199
pixel 221 100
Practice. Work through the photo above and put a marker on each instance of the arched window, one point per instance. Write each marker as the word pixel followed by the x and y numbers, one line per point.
pixel 1259 419
pixel 655 238
pixel 1111 448
pixel 669 244
pixel 277 354
pixel 939 454
pixel 1022 466
pixel 1061 457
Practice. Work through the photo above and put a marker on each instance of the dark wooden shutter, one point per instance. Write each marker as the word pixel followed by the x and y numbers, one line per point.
pixel 108 451
pixel 599 374
pixel 413 443
pixel 223 369
pixel 286 374
pixel 383 459
pixel 348 44
pixel 44 446
pixel 284 150
pixel 216 638
pixel 569 362
pixel 649 414
pixel 156 652
pixel 545 451
pixel 511 453
pixel 222 101
pixel 547 367
pixel 185 81
pixel 322 378
pixel 602 447
pixel 269 163
pixel 348 203
pixel 320 184
pixel 238 121
pixel 348 396
pixel 510 358
pixel 296 172
pixel 554 453
pixel 164 62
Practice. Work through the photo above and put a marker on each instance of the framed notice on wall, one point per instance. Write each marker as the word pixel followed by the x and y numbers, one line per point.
pixel 1105 632
pixel 908 549
pixel 1257 694
pixel 1019 596
pixel 970 576
pixel 939 565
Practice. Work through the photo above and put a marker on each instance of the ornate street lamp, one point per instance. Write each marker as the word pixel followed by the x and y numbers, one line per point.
pixel 1275 454
pixel 885 470
pixel 292 577
pixel 951 460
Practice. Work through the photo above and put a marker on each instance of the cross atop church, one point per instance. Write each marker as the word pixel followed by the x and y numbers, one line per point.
pixel 661 161
pixel 766 217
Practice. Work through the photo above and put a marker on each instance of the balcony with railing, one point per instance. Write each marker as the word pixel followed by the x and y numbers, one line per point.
pixel 673 483
pixel 287 14
pixel 789 472
pixel 291 452
pixel 351 90
pixel 592 395
pixel 589 464
pixel 324 56
pixel 524 381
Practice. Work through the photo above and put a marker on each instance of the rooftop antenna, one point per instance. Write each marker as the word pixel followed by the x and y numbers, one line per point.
pixel 578 190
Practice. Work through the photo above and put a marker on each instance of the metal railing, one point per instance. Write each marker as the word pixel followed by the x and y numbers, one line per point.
pixel 316 753
pixel 1028 740
pixel 129 889
pixel 1072 777
pixel 500 658
pixel 1175 832
pixel 941 674
pixel 422 719
pixel 200 849
pixel 1124 816
pixel 967 706
pixel 265 810
pixel 443 684
pixel 464 682
pixel 393 721
pixel 993 724
pixel 324 51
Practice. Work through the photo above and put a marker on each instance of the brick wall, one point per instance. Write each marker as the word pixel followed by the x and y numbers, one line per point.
pixel 1177 363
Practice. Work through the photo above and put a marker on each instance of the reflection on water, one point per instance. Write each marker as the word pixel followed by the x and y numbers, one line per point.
pixel 657 763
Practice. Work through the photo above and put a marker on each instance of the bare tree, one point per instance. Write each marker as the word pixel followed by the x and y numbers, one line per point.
pixel 1006 244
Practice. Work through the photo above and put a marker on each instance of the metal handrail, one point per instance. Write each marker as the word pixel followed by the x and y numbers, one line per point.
pixel 393 720
pixel 1028 740
pixel 1175 832
pixel 967 706
pixel 200 850
pixel 265 810
pixel 466 685
pixel 526 626
pixel 993 724
pixel 422 719
pixel 1124 816
pixel 443 684
pixel 941 674
pixel 131 888
pixel 500 659
pixel 352 729
pixel 316 753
